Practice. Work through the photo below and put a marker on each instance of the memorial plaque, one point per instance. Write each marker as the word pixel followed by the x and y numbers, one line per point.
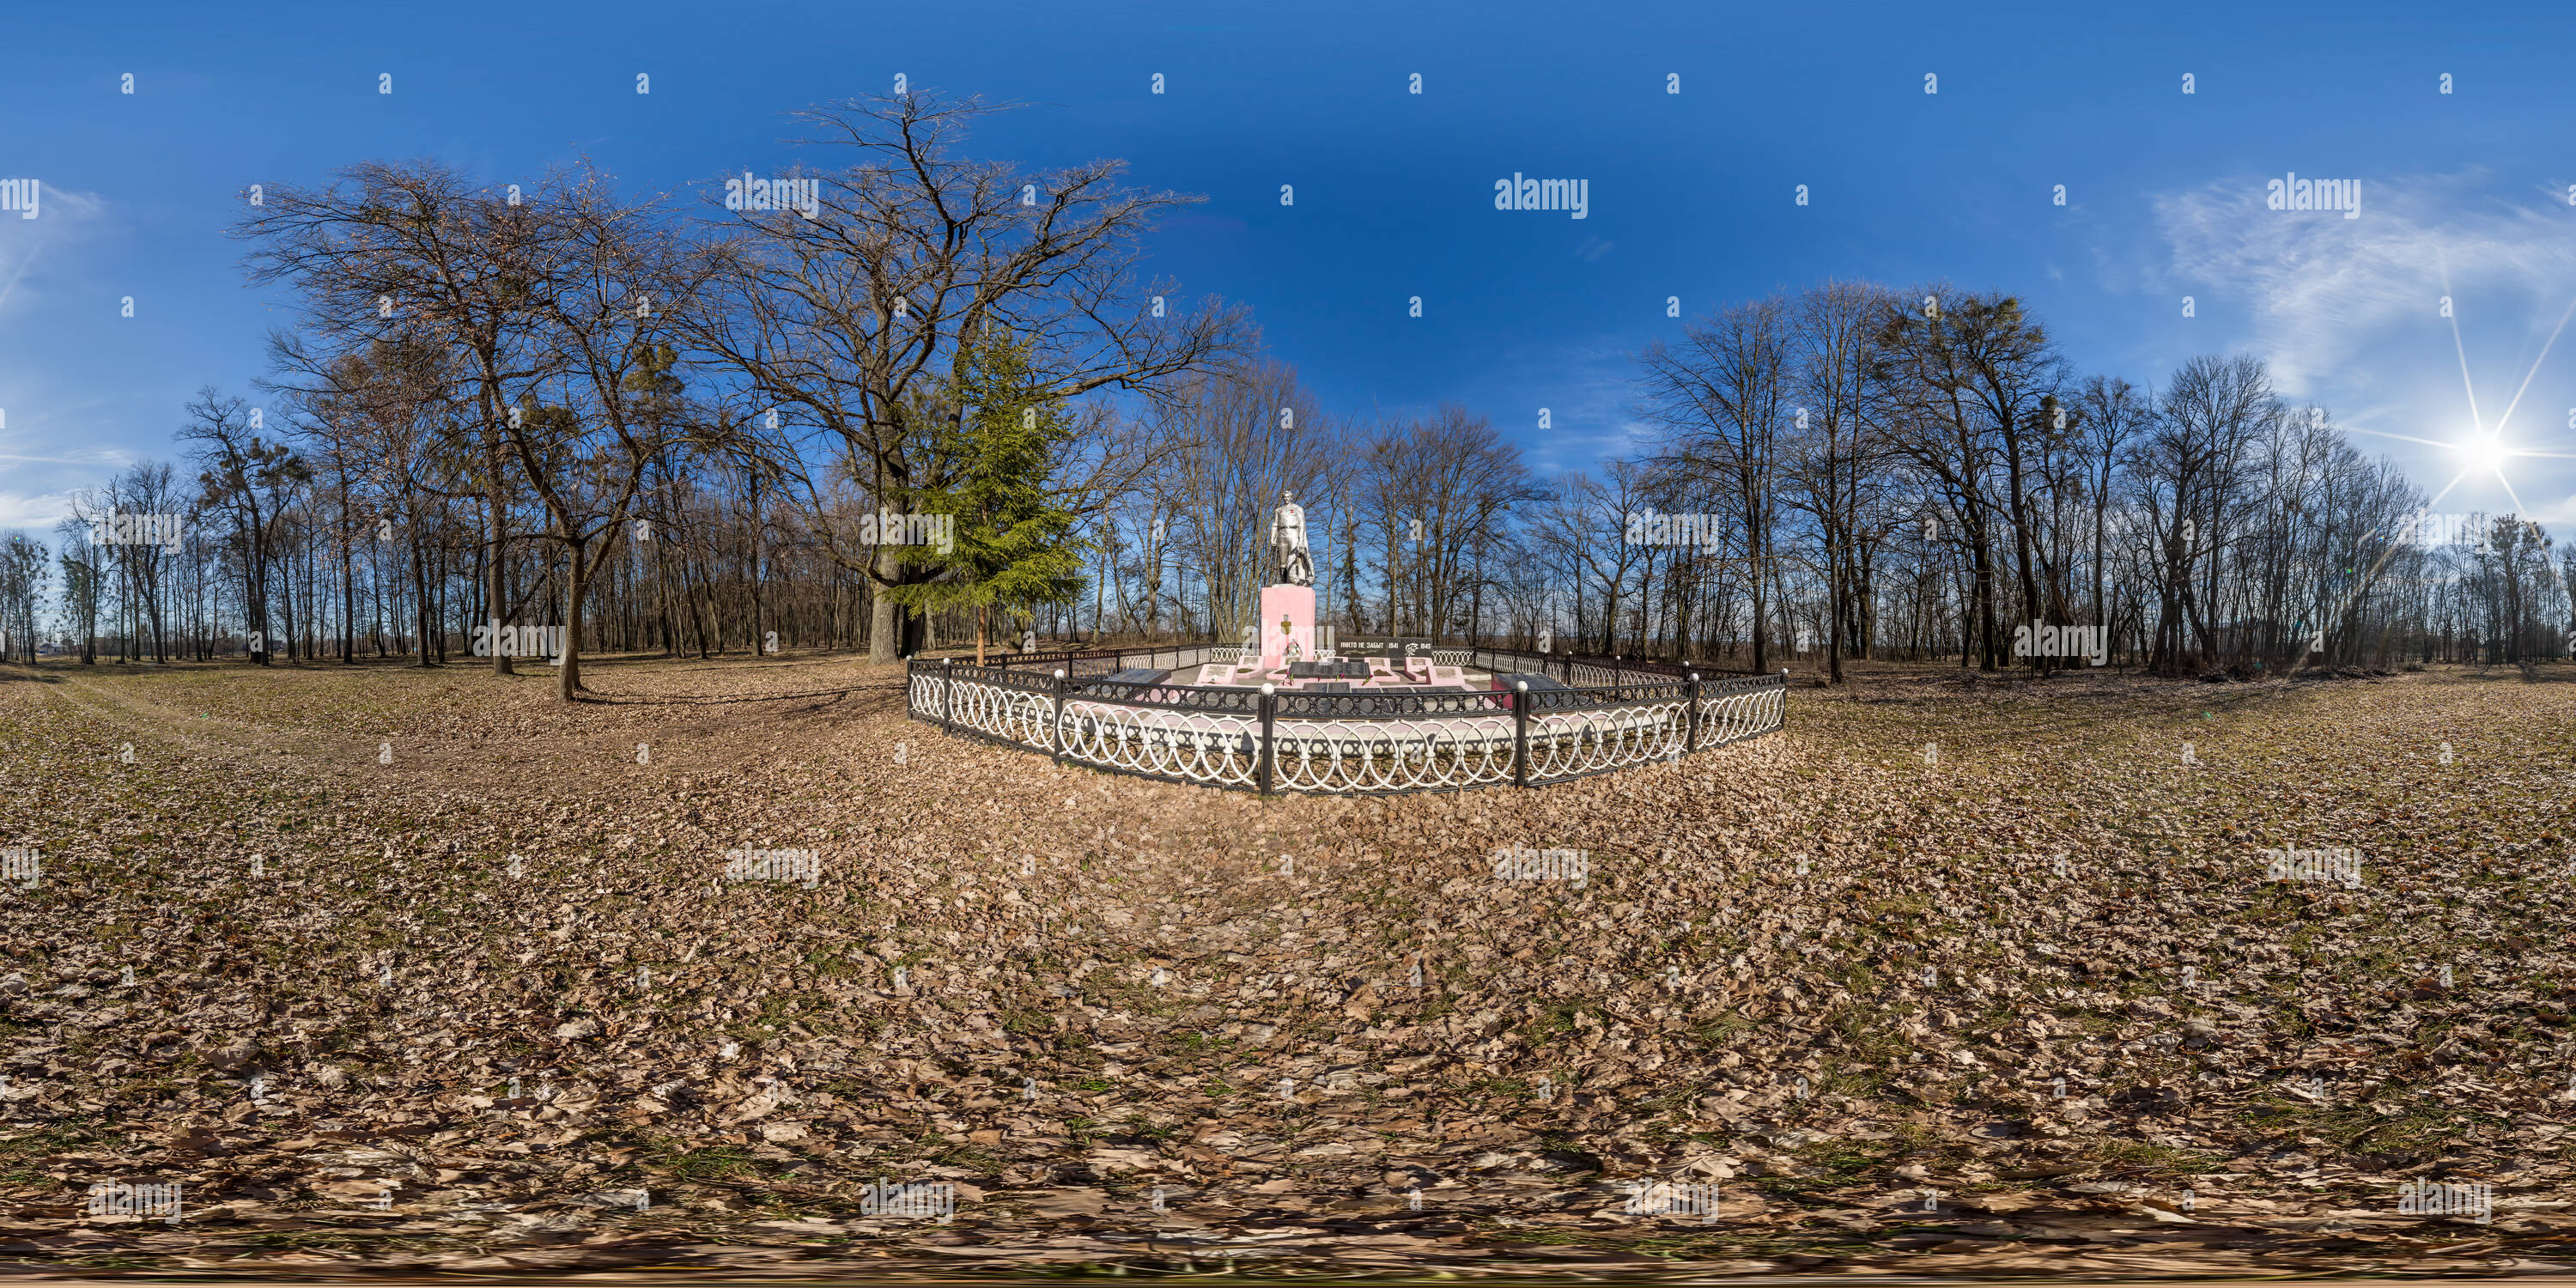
pixel 1328 671
pixel 1383 646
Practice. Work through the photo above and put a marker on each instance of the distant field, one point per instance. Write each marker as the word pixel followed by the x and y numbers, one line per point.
pixel 1837 972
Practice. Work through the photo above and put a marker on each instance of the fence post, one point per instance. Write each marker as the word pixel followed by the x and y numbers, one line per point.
pixel 1520 733
pixel 1059 715
pixel 947 696
pixel 1691 739
pixel 1784 699
pixel 1269 721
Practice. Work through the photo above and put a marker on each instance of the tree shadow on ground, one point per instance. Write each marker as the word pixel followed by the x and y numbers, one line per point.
pixel 688 700
pixel 2529 673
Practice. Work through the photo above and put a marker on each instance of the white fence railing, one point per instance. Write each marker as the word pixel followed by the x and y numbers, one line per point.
pixel 1369 743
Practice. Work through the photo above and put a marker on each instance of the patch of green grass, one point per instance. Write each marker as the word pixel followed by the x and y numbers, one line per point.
pixel 2416 1127
pixel 1843 1162
pixel 715 1163
pixel 1195 1043
pixel 370 1241
pixel 1140 1126
pixel 2159 1162
pixel 1554 1019
pixel 1860 1082
pixel 973 1158
pixel 1727 1024
pixel 1676 1101
pixel 19 1152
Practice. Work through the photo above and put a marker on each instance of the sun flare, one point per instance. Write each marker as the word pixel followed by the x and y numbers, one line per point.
pixel 2484 453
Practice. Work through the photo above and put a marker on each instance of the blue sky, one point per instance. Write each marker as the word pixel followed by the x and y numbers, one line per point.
pixel 2464 194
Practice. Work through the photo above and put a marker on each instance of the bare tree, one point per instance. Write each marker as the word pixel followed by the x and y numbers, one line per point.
pixel 849 318
pixel 83 564
pixel 418 251
pixel 1723 393
pixel 2184 472
pixel 248 478
pixel 1835 455
pixel 611 307
pixel 1229 443
pixel 22 593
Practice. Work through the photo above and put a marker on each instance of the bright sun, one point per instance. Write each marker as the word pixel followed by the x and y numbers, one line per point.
pixel 2484 453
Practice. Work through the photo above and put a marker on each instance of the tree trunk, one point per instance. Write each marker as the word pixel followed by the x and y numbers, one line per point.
pixel 420 595
pixel 885 624
pixel 568 670
pixel 495 593
pixel 1833 612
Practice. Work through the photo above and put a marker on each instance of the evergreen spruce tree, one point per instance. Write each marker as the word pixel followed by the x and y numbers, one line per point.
pixel 1014 546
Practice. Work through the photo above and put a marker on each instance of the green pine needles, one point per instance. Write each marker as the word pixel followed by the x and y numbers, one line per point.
pixel 996 455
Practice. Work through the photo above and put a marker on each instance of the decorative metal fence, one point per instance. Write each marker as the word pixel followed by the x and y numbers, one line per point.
pixel 1116 709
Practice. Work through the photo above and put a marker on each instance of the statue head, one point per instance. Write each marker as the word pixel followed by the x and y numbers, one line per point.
pixel 1287 497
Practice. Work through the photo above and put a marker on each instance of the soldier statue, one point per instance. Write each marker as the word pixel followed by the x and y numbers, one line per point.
pixel 1295 565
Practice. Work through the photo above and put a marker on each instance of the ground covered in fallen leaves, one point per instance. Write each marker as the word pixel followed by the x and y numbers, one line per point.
pixel 1955 975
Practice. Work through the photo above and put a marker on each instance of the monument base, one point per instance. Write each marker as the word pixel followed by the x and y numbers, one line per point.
pixel 1294 606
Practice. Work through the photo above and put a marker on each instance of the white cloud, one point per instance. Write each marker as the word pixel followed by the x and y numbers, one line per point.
pixel 1589 397
pixel 62 219
pixel 48 474
pixel 2348 312
pixel 2322 288
pixel 36 514
pixel 45 449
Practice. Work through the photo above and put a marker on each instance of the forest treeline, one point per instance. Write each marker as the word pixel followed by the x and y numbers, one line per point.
pixel 920 400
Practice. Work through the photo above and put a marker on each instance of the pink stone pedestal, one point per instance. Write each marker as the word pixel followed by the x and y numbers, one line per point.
pixel 1295 604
